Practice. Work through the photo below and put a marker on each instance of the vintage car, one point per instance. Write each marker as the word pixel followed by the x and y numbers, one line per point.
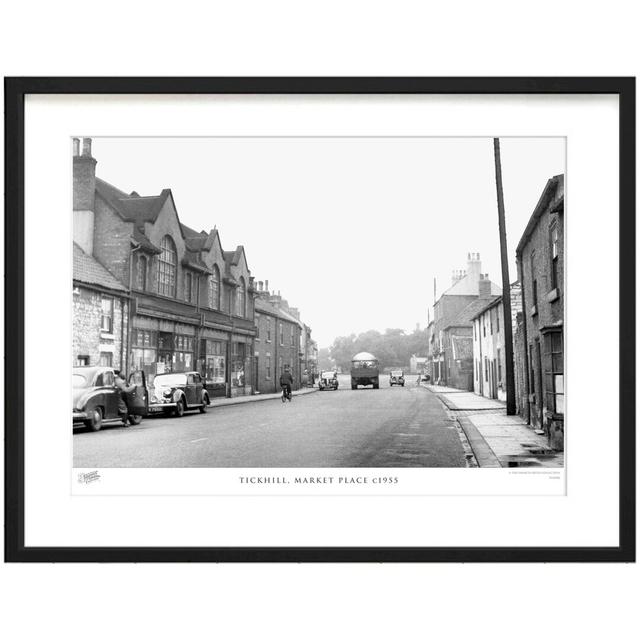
pixel 328 380
pixel 96 398
pixel 396 377
pixel 175 393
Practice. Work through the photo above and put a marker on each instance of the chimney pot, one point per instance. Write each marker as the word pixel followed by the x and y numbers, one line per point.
pixel 76 146
pixel 86 147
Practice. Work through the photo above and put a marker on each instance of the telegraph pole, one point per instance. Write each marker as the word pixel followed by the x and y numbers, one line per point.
pixel 506 287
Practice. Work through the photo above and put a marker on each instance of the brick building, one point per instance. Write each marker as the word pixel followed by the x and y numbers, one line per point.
pixel 278 340
pixel 540 336
pixel 450 335
pixel 100 314
pixel 191 302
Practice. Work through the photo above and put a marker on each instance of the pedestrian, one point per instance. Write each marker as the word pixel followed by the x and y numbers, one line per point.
pixel 123 388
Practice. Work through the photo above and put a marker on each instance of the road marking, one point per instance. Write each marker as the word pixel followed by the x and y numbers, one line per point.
pixel 199 440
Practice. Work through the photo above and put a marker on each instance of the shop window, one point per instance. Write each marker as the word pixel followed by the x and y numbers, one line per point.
pixel 237 364
pixel 106 315
pixel 167 261
pixel 554 371
pixel 214 288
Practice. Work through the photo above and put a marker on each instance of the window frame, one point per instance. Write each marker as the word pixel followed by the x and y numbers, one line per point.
pixel 110 316
pixel 167 272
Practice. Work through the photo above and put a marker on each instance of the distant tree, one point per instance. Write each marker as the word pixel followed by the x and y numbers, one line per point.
pixel 393 348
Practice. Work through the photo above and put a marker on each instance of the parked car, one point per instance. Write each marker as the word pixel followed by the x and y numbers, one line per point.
pixel 328 380
pixel 175 393
pixel 96 398
pixel 396 377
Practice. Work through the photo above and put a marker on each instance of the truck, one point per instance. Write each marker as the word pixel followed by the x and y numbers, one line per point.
pixel 365 370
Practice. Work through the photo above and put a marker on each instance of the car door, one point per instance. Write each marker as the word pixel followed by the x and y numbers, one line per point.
pixel 138 399
pixel 107 381
pixel 199 385
pixel 190 390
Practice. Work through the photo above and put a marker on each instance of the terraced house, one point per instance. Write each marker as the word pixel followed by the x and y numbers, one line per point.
pixel 191 304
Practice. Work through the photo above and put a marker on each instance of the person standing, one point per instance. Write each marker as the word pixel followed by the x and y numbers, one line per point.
pixel 123 388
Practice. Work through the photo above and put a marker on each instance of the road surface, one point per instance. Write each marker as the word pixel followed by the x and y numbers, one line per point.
pixel 387 427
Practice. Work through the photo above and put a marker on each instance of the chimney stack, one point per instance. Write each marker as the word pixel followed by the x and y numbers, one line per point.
pixel 84 192
pixel 474 266
pixel 484 286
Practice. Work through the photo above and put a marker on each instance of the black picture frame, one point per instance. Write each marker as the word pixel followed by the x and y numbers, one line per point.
pixel 15 91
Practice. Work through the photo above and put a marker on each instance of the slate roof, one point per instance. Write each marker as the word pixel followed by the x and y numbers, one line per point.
pixel 465 317
pixel 87 270
pixel 146 244
pixel 132 207
pixel 489 303
pixel 264 306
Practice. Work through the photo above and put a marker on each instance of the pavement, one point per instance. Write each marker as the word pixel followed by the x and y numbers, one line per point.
pixel 497 440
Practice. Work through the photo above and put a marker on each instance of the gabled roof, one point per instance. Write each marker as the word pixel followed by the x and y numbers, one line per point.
pixel 464 318
pixel 87 270
pixel 547 197
pixel 132 207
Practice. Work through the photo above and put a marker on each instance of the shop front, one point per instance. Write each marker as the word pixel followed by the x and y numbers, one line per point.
pixel 159 346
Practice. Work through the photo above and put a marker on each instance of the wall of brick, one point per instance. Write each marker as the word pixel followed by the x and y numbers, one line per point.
pixel 288 353
pixel 88 339
pixel 111 241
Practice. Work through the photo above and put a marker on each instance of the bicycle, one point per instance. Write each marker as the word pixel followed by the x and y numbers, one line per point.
pixel 286 393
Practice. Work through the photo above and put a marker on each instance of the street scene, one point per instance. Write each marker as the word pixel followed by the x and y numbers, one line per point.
pixel 183 357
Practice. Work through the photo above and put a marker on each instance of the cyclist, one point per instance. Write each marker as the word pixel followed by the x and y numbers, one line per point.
pixel 286 381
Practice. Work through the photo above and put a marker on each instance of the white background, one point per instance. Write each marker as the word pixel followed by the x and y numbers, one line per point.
pixel 320 601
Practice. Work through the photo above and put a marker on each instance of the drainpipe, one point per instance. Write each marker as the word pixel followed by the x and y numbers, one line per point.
pixel 480 372
pixel 129 314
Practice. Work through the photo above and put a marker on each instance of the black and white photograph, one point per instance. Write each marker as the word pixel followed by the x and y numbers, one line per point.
pixel 311 302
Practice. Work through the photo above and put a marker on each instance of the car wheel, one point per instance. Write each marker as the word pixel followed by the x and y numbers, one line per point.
pixel 95 420
pixel 205 404
pixel 179 410
pixel 353 387
pixel 135 420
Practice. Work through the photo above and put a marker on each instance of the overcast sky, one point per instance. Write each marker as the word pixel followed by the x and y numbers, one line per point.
pixel 352 231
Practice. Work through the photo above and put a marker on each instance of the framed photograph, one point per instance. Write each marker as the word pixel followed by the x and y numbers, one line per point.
pixel 320 319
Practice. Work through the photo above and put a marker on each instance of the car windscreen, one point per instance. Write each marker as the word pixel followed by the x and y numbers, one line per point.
pixel 169 379
pixel 365 364
pixel 328 376
pixel 78 380
pixel 396 374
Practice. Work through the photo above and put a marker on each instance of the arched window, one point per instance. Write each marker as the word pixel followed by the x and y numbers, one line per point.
pixel 241 297
pixel 167 261
pixel 141 273
pixel 188 287
pixel 214 289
